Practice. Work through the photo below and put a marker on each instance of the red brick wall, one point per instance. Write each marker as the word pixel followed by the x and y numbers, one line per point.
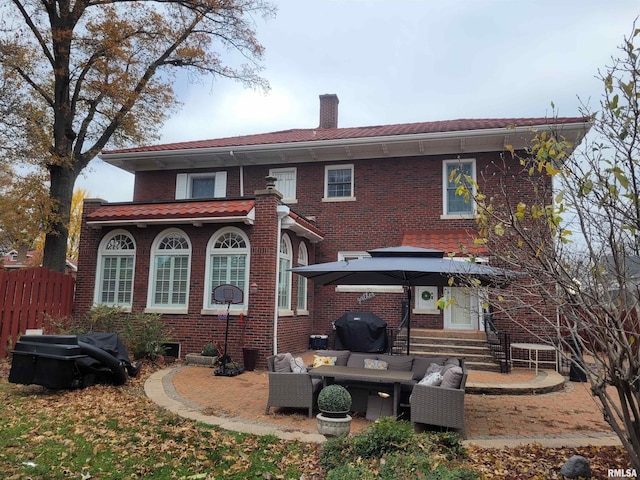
pixel 393 196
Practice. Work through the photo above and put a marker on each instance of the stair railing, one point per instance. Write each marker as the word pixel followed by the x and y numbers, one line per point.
pixel 499 344
pixel 398 338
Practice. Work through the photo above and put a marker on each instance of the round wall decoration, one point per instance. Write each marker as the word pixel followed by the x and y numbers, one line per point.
pixel 426 295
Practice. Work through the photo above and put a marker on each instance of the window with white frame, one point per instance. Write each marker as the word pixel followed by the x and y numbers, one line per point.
pixel 285 182
pixel 338 183
pixel 285 258
pixel 354 255
pixel 201 185
pixel 303 260
pixel 227 264
pixel 453 172
pixel 170 266
pixel 116 260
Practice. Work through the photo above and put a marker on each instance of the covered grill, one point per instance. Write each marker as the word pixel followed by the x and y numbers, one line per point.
pixel 361 332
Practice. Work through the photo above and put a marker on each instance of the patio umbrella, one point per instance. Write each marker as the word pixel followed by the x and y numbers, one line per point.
pixel 406 266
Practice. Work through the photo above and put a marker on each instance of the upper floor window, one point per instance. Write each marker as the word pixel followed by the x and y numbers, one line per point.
pixel 285 258
pixel 170 262
pixel 285 183
pixel 338 183
pixel 116 260
pixel 454 202
pixel 354 255
pixel 201 185
pixel 227 264
pixel 303 260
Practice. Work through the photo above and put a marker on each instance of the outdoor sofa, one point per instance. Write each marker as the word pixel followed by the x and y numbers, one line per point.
pixel 289 389
pixel 441 405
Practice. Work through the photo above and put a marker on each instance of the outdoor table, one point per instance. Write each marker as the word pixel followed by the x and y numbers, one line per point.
pixel 535 347
pixel 365 375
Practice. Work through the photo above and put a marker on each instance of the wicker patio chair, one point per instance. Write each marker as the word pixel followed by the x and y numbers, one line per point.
pixel 439 406
pixel 294 390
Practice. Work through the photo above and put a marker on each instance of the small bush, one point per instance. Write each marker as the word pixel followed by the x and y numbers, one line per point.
pixel 334 398
pixel 390 450
pixel 385 435
pixel 145 336
pixel 210 350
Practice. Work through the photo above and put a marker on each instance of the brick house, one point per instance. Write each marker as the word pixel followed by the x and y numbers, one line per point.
pixel 243 210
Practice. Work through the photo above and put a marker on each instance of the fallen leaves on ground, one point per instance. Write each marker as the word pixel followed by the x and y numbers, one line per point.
pixel 146 440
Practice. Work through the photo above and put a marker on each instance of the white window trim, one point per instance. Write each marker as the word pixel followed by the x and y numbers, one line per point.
pixel 273 172
pixel 234 309
pixel 364 288
pixel 288 275
pixel 98 274
pixel 445 179
pixel 303 260
pixel 184 184
pixel 151 308
pixel 328 168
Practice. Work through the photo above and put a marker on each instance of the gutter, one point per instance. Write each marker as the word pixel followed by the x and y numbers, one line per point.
pixel 412 137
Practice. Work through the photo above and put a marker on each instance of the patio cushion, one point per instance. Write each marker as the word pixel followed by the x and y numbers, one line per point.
pixel 401 363
pixel 375 364
pixel 420 365
pixel 452 378
pixel 318 361
pixel 341 356
pixel 282 362
pixel 431 379
pixel 297 365
pixel 357 359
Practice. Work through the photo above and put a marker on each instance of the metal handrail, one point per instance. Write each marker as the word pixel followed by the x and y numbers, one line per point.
pixel 499 344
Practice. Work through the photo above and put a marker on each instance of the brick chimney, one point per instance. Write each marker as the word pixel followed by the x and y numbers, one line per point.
pixel 329 110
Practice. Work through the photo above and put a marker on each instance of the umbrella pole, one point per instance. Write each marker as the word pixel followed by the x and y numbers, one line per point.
pixel 408 318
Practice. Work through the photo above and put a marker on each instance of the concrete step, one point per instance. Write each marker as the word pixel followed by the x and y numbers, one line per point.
pixel 470 345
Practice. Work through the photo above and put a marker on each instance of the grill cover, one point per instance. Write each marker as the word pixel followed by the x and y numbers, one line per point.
pixel 361 332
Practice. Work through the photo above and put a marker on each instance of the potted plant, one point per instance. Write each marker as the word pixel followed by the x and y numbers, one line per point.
pixel 208 357
pixel 334 402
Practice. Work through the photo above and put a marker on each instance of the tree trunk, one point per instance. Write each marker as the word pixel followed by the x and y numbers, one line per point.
pixel 63 179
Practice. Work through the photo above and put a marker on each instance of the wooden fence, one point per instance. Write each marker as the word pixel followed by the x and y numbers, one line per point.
pixel 28 297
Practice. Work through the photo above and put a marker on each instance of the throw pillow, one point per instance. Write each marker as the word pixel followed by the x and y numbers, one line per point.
pixel 435 368
pixel 431 379
pixel 318 360
pixel 282 362
pixel 375 364
pixel 298 366
pixel 452 378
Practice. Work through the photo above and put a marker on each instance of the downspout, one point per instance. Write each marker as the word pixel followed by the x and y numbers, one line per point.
pixel 282 211
pixel 241 180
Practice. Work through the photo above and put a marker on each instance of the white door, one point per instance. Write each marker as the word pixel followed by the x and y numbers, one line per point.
pixel 462 311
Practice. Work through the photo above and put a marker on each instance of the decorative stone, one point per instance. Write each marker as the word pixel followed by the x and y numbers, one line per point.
pixel 576 467
pixel 333 427
pixel 197 359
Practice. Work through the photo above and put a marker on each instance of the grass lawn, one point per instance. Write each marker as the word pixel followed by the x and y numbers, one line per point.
pixel 107 432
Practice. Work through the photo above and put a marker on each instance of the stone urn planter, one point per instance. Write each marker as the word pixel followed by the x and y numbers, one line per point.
pixel 334 402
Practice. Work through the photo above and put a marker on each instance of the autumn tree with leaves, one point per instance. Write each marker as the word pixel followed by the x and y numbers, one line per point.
pixel 78 76
pixel 579 245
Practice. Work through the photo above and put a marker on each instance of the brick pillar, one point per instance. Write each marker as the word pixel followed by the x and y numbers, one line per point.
pixel 87 258
pixel 264 258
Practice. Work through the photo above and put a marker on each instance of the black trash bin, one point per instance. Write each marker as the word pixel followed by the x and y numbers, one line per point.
pixel 576 374
pixel 250 358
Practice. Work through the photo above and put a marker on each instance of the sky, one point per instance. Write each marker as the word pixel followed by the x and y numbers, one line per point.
pixel 402 61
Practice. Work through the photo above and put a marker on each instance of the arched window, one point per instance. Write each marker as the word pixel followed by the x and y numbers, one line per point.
pixel 285 257
pixel 227 263
pixel 170 261
pixel 303 260
pixel 116 260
